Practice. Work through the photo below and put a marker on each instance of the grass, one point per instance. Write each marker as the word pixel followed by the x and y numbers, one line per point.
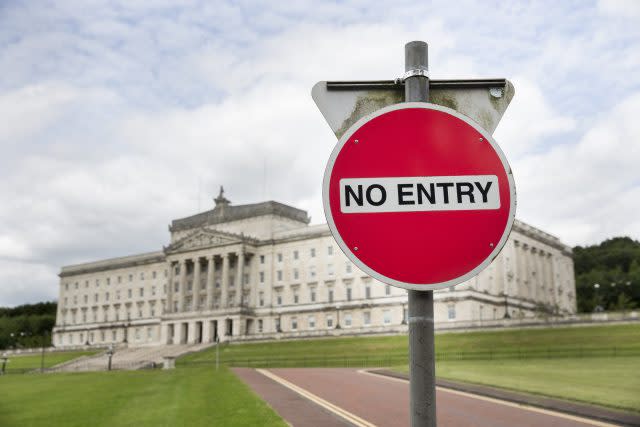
pixel 197 396
pixel 559 362
pixel 612 382
pixel 29 362
pixel 517 343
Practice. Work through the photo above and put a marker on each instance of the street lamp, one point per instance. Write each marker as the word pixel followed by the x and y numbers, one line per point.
pixel 110 355
pixel 506 307
pixel 597 308
pixel 4 359
pixel 43 339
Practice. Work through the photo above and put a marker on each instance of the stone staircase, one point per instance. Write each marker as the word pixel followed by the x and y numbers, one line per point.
pixel 128 358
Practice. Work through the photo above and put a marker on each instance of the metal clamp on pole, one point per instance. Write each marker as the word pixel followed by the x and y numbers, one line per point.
pixel 415 72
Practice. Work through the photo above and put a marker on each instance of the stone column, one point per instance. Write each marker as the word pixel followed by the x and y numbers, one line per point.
pixel 169 295
pixel 239 277
pixel 195 295
pixel 225 280
pixel 210 285
pixel 183 284
pixel 548 277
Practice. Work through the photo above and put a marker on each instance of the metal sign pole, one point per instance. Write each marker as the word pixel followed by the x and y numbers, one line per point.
pixel 422 368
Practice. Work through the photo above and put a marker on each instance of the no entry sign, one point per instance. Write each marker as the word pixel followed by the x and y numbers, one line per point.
pixel 419 196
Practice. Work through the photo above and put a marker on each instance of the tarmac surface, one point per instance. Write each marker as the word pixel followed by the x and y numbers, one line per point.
pixel 317 397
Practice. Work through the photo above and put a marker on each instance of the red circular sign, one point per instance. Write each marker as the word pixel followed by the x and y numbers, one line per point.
pixel 419 196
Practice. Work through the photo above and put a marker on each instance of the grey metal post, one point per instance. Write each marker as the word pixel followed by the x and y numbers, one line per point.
pixel 422 368
pixel 217 352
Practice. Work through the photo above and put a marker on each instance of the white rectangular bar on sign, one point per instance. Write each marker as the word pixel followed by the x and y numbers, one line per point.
pixel 419 193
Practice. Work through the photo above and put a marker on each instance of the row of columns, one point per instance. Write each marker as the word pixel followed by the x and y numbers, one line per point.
pixel 541 287
pixel 224 293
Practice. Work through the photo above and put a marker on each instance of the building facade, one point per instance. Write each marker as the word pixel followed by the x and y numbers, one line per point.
pixel 260 271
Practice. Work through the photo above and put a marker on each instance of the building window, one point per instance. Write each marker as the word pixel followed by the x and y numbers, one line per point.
pixel 348 267
pixel 149 334
pixel 66 286
pixel 330 271
pixel 367 291
pixel 330 295
pixel 153 290
pixel 366 318
pixel 278 325
pixel 102 336
pixel 260 327
pixel 451 311
pixel 137 334
pixel 129 293
pixel 329 321
pixel 386 316
pixel 141 292
pixel 86 299
pixel 279 275
pixel 175 306
pixel 261 259
pixel 296 274
pixel 114 336
pixel 294 323
pixel 262 277
pixel 296 255
pixel 131 278
pixel 329 250
pixel 387 290
pixel 312 271
pixel 312 322
pixel 348 294
pixel 118 295
pixel 279 299
pixel 106 296
pixel 153 275
pixel 176 286
pixel 261 299
pixel 347 319
pixel 119 279
pixel 296 297
pixel 313 252
pixel 280 257
pixel 312 294
pixel 108 281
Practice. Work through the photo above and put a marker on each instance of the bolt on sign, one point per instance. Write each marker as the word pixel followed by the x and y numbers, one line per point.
pixel 419 196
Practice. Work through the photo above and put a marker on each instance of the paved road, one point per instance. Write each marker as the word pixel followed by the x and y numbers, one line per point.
pixel 364 399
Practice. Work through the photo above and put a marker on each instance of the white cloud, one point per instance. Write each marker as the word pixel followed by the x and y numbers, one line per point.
pixel 624 8
pixel 589 190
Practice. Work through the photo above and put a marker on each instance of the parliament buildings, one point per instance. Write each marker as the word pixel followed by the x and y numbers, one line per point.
pixel 260 271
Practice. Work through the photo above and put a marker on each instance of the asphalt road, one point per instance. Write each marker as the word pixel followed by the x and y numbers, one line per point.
pixel 344 396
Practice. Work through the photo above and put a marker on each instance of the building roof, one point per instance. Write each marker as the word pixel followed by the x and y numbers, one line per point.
pixel 225 212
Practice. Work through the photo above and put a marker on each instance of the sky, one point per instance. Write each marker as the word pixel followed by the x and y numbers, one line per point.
pixel 119 116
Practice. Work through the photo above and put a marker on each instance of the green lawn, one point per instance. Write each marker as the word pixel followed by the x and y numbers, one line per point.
pixel 613 382
pixel 371 351
pixel 32 361
pixel 183 397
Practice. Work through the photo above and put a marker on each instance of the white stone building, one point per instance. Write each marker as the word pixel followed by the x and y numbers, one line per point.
pixel 260 271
